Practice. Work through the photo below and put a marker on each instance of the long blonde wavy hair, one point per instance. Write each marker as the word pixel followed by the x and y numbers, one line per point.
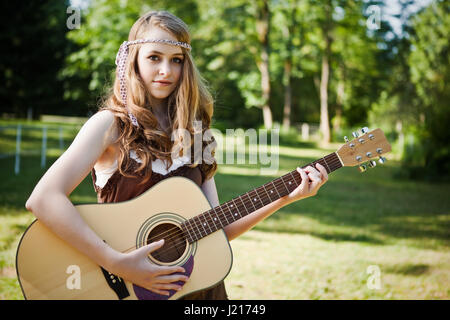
pixel 190 101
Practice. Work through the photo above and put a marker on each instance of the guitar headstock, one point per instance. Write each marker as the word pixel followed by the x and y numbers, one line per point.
pixel 365 147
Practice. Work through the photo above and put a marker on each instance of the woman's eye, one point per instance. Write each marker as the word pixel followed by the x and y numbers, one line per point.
pixel 176 60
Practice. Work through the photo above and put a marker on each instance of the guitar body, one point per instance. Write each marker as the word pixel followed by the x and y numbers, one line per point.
pixel 49 268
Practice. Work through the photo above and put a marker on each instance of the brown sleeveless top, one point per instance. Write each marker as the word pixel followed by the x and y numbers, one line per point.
pixel 120 188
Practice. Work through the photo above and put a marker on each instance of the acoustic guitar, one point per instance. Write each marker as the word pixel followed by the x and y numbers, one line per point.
pixel 174 209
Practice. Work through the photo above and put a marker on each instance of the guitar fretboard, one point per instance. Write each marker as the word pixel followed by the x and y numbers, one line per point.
pixel 217 218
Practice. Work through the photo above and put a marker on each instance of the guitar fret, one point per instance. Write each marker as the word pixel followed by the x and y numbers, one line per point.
pixel 268 195
pixel 204 223
pixel 215 218
pixel 284 185
pixel 200 220
pixel 225 216
pixel 245 207
pixel 265 200
pixel 256 191
pixel 229 211
pixel 324 160
pixel 294 179
pixel 211 221
pixel 185 230
pixel 193 230
pixel 237 208
pixel 196 225
pixel 254 200
pixel 197 233
pixel 250 200
pixel 275 187
pixel 235 214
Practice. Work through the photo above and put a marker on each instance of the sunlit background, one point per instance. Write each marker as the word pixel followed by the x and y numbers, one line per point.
pixel 332 66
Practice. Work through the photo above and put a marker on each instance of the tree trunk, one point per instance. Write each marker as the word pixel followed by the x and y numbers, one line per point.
pixel 262 28
pixel 288 34
pixel 337 123
pixel 287 94
pixel 324 118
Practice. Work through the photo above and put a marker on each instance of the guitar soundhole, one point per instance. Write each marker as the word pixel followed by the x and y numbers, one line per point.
pixel 174 242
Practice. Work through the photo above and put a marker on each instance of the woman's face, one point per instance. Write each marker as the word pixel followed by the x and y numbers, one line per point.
pixel 160 62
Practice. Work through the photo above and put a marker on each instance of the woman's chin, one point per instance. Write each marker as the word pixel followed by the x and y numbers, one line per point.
pixel 160 95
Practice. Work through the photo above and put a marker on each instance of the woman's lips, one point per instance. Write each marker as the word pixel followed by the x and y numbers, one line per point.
pixel 162 83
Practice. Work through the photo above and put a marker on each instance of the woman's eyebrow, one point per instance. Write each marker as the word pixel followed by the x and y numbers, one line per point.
pixel 175 54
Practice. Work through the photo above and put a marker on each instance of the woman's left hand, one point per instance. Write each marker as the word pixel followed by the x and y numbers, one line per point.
pixel 312 180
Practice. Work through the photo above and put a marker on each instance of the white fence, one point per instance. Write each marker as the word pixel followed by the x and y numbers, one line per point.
pixel 19 151
pixel 309 131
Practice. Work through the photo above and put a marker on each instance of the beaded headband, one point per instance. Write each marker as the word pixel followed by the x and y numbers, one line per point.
pixel 121 59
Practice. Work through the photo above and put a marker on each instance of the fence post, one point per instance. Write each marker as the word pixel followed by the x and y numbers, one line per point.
pixel 61 140
pixel 44 146
pixel 18 139
pixel 305 131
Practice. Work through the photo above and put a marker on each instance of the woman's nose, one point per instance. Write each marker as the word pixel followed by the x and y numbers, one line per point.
pixel 164 68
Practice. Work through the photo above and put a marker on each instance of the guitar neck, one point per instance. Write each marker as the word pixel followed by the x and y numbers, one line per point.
pixel 217 218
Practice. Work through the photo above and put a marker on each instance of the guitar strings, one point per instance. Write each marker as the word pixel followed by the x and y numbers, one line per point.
pixel 171 234
pixel 174 234
pixel 208 219
pixel 335 163
pixel 279 183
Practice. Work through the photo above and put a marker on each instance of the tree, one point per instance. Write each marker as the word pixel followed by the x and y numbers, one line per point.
pixel 429 62
pixel 263 29
pixel 327 29
pixel 90 69
pixel 34 34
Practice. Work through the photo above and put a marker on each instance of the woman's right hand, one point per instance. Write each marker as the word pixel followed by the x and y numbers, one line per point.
pixel 138 269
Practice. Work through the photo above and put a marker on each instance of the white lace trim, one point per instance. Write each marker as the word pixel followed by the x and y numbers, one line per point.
pixel 158 166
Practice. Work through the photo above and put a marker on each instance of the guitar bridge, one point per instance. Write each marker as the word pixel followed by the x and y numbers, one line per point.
pixel 116 284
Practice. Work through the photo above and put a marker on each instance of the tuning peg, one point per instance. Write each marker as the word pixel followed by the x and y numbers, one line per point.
pixel 355 134
pixel 346 139
pixel 365 130
pixel 362 167
pixel 372 163
pixel 382 160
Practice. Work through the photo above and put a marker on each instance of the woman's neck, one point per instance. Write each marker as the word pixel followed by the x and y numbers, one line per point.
pixel 159 106
pixel 160 111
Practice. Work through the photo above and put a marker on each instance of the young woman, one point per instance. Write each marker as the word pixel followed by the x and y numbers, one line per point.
pixel 128 147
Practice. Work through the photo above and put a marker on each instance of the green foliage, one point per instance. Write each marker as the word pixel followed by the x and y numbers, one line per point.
pixel 34 47
pixel 385 78
pixel 414 102
pixel 430 73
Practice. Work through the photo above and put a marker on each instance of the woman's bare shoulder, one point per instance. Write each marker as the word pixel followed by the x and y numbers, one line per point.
pixel 106 121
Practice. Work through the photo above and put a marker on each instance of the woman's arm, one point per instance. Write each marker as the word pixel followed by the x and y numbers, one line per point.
pixel 49 200
pixel 50 203
pixel 312 180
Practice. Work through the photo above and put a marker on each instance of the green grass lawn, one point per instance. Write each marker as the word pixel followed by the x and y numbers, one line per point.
pixel 317 248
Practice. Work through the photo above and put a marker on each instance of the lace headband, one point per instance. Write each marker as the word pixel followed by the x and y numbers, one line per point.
pixel 121 59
